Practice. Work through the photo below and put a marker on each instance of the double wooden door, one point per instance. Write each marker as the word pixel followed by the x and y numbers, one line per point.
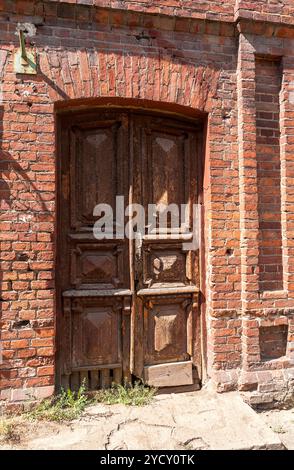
pixel 127 306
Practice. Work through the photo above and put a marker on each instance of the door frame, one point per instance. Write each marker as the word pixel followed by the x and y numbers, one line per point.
pixel 89 106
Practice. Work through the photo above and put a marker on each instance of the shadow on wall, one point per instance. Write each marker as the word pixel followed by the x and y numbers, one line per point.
pixel 16 217
pixel 4 200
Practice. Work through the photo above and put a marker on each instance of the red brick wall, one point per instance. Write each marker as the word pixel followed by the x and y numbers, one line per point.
pixel 89 52
pixel 267 95
pixel 280 11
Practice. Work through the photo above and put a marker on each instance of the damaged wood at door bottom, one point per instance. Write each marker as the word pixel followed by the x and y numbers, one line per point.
pixel 169 375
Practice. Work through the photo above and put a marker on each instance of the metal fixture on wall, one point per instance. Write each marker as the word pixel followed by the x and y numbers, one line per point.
pixel 25 59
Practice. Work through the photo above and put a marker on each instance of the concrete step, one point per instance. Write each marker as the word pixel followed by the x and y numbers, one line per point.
pixel 184 421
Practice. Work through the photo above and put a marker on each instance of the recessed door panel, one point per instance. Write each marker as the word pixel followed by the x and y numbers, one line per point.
pixel 96 168
pixel 167 264
pixel 95 265
pixel 96 333
pixel 167 321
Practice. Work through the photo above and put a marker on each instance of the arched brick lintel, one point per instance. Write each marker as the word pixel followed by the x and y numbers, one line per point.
pixel 104 102
pixel 74 75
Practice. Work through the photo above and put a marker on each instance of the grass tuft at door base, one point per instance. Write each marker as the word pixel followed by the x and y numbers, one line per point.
pixel 128 394
pixel 66 406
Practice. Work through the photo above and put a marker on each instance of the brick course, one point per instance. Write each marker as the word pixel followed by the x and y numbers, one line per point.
pixel 210 57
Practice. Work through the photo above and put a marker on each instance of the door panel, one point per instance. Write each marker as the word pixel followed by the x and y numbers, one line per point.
pixel 166 264
pixel 127 306
pixel 99 266
pixel 163 150
pixel 97 151
pixel 166 273
pixel 166 321
pixel 95 320
pixel 96 333
pixel 165 167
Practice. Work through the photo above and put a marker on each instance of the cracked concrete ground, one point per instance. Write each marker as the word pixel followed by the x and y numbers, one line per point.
pixel 281 422
pixel 186 421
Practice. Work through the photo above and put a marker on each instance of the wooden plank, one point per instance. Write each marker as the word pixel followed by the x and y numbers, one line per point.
pixel 96 367
pixel 126 345
pixel 97 293
pixel 131 253
pixel 84 378
pixel 138 337
pixel 95 380
pixel 75 381
pixel 65 381
pixel 117 376
pixel 174 234
pixel 105 378
pixel 180 389
pixel 167 290
pixel 67 336
pixel 169 375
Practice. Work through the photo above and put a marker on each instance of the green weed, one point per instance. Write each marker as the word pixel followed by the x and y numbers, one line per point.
pixel 137 394
pixel 66 406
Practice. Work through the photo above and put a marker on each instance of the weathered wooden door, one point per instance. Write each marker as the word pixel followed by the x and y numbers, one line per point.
pixel 127 306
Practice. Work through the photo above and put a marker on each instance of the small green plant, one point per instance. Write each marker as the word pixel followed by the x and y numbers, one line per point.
pixel 127 394
pixel 66 406
pixel 8 430
pixel 278 429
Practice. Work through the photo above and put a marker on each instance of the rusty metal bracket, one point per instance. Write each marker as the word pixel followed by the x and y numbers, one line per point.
pixel 24 59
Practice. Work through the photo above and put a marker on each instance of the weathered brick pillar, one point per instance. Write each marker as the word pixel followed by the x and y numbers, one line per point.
pixel 265 169
pixel 287 190
pixel 249 223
